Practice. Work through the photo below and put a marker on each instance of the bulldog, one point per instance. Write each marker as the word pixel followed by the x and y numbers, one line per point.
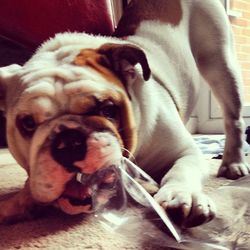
pixel 83 102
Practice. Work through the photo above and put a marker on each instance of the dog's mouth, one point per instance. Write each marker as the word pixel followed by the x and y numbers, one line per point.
pixel 89 194
pixel 76 198
pixel 79 202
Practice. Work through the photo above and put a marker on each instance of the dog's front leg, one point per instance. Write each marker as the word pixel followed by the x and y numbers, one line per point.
pixel 17 207
pixel 181 191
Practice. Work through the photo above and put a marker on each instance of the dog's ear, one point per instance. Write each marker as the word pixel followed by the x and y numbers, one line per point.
pixel 6 73
pixel 122 58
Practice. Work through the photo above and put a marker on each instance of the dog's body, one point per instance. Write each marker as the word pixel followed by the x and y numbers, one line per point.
pixel 89 88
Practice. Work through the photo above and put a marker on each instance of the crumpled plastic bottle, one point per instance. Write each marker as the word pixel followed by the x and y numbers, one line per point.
pixel 113 186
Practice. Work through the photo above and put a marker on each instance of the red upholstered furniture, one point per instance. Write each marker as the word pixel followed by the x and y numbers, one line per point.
pixel 30 22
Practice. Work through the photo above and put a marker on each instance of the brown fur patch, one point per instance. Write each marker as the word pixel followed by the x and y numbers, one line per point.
pixel 91 57
pixel 127 128
pixel 167 11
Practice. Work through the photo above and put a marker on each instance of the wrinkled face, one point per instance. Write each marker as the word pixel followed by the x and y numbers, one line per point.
pixel 69 114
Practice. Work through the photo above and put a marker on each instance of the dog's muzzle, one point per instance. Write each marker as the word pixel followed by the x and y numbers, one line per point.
pixel 65 148
pixel 68 147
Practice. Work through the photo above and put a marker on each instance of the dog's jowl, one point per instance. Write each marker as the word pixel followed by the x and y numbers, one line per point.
pixel 82 102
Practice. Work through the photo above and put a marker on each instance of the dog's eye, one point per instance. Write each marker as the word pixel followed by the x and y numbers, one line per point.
pixel 109 110
pixel 26 124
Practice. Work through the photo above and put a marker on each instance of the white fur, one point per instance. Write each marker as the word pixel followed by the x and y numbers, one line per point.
pixel 199 48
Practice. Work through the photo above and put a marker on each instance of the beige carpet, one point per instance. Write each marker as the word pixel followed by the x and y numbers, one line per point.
pixel 55 230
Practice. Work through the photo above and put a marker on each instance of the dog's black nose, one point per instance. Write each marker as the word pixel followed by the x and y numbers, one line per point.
pixel 68 147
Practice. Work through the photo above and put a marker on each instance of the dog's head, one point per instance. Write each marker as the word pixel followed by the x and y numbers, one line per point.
pixel 68 111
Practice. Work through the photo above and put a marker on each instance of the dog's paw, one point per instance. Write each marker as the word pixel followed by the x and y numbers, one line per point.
pixel 16 207
pixel 185 208
pixel 6 214
pixel 234 170
pixel 10 218
pixel 10 215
